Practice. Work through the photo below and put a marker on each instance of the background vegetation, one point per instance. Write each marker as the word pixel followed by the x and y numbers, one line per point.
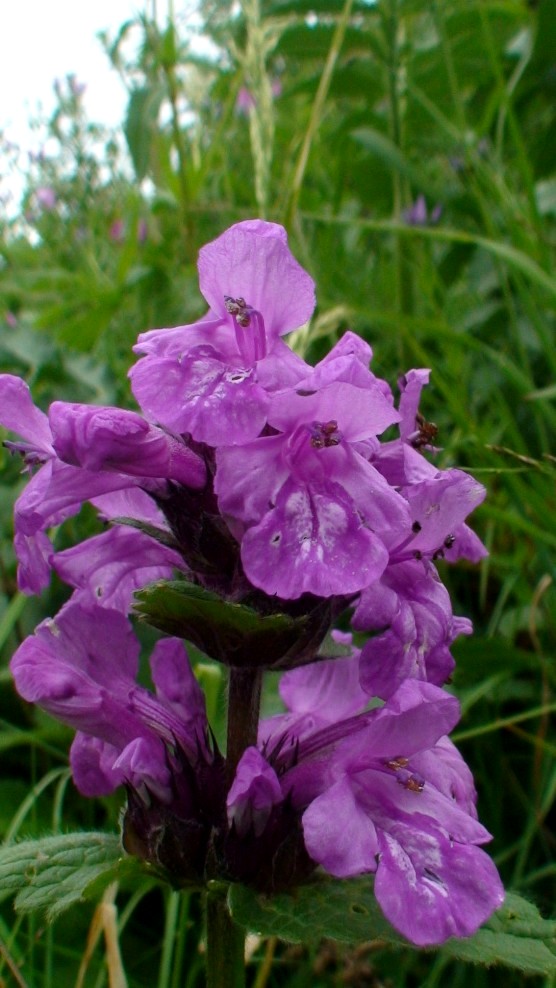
pixel 409 148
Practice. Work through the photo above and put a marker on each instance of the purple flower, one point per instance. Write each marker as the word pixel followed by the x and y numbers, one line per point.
pixel 107 450
pixel 117 231
pixel 411 610
pixel 316 513
pixel 418 214
pixel 385 792
pixel 254 793
pixel 46 198
pixel 245 101
pixel 101 438
pixel 211 379
pixel 82 668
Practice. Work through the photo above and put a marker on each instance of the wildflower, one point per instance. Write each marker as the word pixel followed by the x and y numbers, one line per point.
pixel 117 231
pixel 418 214
pixel 46 198
pixel 82 452
pixel 212 378
pixel 382 790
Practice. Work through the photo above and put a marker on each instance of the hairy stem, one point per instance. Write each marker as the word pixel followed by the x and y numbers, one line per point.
pixel 225 946
pixel 244 699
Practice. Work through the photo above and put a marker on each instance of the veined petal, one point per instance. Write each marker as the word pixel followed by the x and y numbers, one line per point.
pixel 312 541
pixel 339 834
pixel 19 414
pixel 252 260
pixel 431 889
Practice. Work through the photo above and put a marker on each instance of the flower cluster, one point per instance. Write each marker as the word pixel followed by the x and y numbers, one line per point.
pixel 262 481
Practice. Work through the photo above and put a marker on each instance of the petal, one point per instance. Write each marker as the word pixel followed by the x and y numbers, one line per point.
pixel 312 541
pixel 254 793
pixel 109 567
pixel 251 260
pixel 430 889
pixel 92 765
pixel 441 505
pixel 20 415
pixel 339 834
pixel 175 683
pixel 106 438
pixel 201 395
pixel 359 412
pixel 329 688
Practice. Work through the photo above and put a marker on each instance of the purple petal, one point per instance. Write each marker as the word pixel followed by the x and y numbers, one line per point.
pixel 216 403
pixel 20 415
pixel 253 794
pixel 411 385
pixel 329 688
pixel 313 541
pixel 175 683
pixel 104 438
pixel 440 505
pixel 339 834
pixel 249 477
pixel 445 769
pixel 143 763
pixel 178 340
pixel 251 260
pixel 92 765
pixel 109 567
pixel 34 557
pixel 431 889
pixel 359 412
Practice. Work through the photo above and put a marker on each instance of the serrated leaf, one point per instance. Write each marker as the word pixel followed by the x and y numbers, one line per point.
pixel 231 633
pixel 53 873
pixel 526 954
pixel 340 910
pixel 515 936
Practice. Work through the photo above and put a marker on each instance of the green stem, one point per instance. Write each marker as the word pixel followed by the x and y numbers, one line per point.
pixel 244 700
pixel 225 946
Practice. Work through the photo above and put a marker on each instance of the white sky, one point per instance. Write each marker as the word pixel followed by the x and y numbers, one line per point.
pixel 42 40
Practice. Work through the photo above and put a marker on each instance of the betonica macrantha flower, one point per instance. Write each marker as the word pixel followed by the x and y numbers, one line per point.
pixel 316 515
pixel 331 783
pixel 82 452
pixel 385 791
pixel 213 378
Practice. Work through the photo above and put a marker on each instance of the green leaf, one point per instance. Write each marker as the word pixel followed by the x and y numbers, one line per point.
pixel 231 633
pixel 515 936
pixel 53 873
pixel 140 126
pixel 341 910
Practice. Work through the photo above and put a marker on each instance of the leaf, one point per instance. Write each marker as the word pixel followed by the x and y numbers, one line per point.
pixel 140 126
pixel 348 911
pixel 231 633
pixel 53 873
pixel 341 910
pixel 515 936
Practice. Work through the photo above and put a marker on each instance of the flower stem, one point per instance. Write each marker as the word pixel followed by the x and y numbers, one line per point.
pixel 244 699
pixel 225 946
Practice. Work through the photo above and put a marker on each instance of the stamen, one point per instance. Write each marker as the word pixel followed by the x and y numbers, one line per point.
pixel 252 346
pixel 325 434
pixel 425 433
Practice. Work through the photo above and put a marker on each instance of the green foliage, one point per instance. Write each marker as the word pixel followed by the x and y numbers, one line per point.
pixel 371 105
pixel 54 873
pixel 228 632
pixel 348 911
